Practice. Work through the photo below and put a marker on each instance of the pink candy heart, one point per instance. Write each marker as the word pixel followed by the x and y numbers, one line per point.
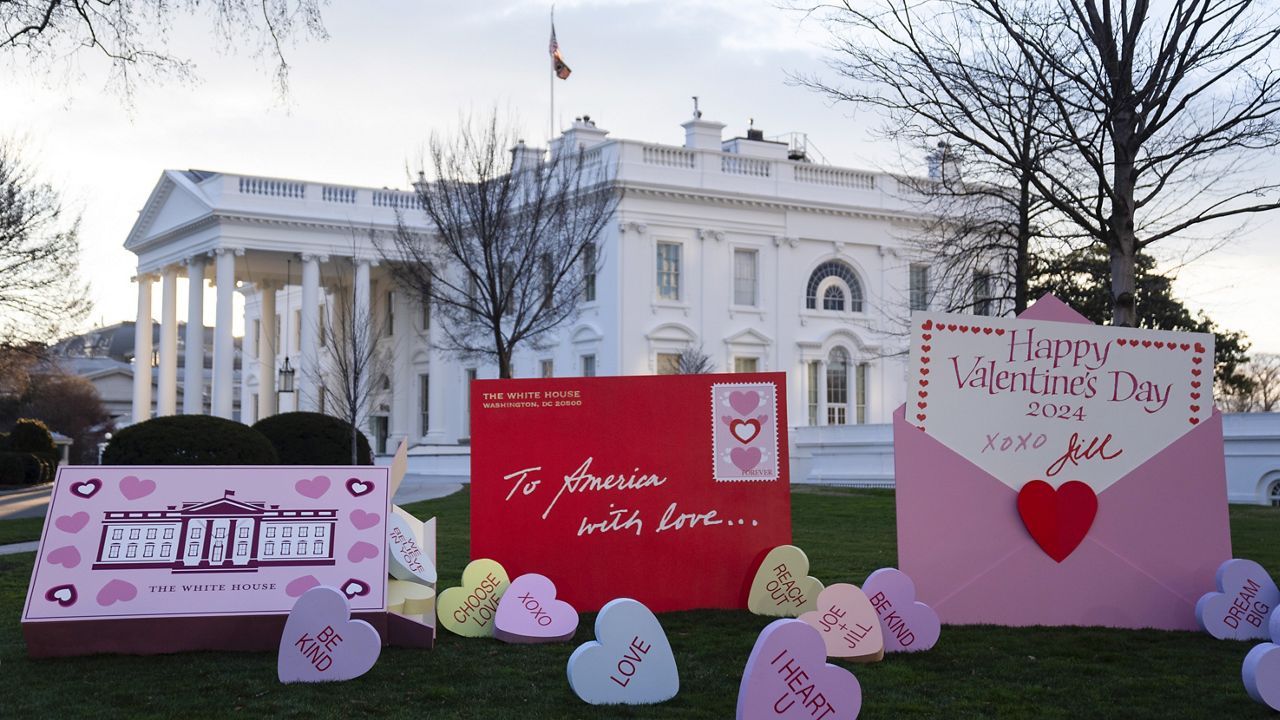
pixel 67 556
pixel 133 488
pixel 116 591
pixel 72 523
pixel 321 643
pixel 847 623
pixel 907 625
pixel 787 678
pixel 530 613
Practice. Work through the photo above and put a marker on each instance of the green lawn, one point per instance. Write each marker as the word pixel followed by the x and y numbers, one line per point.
pixel 974 672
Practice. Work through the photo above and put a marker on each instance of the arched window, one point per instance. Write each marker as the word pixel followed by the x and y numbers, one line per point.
pixel 1273 494
pixel 837 285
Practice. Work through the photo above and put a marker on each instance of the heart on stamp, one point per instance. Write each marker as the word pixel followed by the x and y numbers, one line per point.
pixel 64 595
pixel 847 623
pixel 1261 674
pixel 298 586
pixel 744 401
pixel 358 487
pixel 72 523
pixel 321 643
pixel 67 556
pixel 312 487
pixel 744 431
pixel 1057 519
pixel 745 458
pixel 116 591
pixel 468 610
pixel 629 663
pixel 782 586
pixel 87 488
pixel 787 677
pixel 907 624
pixel 529 612
pixel 133 488
pixel 1241 606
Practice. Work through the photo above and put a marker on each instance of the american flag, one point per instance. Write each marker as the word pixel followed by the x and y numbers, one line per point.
pixel 558 65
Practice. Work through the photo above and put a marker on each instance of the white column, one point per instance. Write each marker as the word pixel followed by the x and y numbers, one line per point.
pixel 822 392
pixel 193 372
pixel 360 304
pixel 142 351
pixel 307 385
pixel 167 384
pixel 266 350
pixel 248 349
pixel 223 343
pixel 436 384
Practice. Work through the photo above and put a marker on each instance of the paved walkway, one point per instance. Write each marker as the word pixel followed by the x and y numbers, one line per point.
pixel 32 502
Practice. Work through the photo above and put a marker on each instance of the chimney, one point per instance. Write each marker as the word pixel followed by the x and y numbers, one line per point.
pixel 523 156
pixel 582 135
pixel 943 163
pixel 702 134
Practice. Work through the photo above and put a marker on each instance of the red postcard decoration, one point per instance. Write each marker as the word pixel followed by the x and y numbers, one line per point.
pixel 667 489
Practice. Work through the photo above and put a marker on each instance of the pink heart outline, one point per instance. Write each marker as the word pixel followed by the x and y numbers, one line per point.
pixel 358 487
pixel 52 595
pixel 361 588
pixel 93 485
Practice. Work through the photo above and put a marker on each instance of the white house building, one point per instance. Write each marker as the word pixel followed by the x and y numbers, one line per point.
pixel 741 246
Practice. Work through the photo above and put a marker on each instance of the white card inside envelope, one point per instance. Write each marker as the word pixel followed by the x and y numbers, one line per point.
pixel 1055 401
pixel 408 557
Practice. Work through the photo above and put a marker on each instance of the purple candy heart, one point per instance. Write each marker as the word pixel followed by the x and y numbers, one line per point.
pixel 364 520
pixel 1240 608
pixel 321 643
pixel 312 487
pixel 745 458
pixel 67 556
pixel 744 401
pixel 73 523
pixel 362 551
pixel 908 625
pixel 529 612
pixel 116 591
pixel 1261 674
pixel 133 488
pixel 772 685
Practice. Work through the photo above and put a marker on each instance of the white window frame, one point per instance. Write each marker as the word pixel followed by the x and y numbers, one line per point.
pixel 679 272
pixel 918 295
pixel 755 290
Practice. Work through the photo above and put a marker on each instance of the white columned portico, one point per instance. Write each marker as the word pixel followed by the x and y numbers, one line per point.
pixel 822 392
pixel 266 350
pixel 142 351
pixel 193 372
pixel 167 383
pixel 307 385
pixel 223 341
pixel 364 332
pixel 435 382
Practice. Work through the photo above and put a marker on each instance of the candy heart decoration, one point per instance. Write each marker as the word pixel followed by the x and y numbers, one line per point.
pixel 72 523
pixel 67 556
pixel 87 488
pixel 358 487
pixel 297 586
pixel 313 488
pixel 410 598
pixel 629 663
pixel 847 623
pixel 1240 608
pixel 354 588
pixel 781 587
pixel 907 624
pixel 787 677
pixel 64 595
pixel 133 488
pixel 530 613
pixel 1261 674
pixel 321 643
pixel 404 540
pixel 468 610
pixel 1058 519
pixel 362 550
pixel 116 591
pixel 362 520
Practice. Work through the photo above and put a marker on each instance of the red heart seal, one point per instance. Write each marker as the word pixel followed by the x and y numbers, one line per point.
pixel 1058 519
pixel 740 435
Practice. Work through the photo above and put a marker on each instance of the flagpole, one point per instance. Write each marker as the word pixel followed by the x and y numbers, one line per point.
pixel 551 77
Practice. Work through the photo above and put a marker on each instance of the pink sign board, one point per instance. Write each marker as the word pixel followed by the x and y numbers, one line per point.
pixel 1050 402
pixel 157 543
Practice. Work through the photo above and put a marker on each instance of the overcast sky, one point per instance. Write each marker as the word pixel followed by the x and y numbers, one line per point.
pixel 363 103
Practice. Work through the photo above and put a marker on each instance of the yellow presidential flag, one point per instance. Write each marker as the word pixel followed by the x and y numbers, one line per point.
pixel 558 65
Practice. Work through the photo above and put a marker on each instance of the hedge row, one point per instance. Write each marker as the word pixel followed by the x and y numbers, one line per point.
pixel 28 455
pixel 287 439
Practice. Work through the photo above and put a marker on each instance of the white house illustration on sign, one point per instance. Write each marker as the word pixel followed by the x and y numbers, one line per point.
pixel 222 535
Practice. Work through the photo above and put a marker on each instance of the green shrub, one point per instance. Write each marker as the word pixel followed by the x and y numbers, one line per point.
pixel 30 435
pixel 12 471
pixel 33 472
pixel 307 438
pixel 4 442
pixel 189 440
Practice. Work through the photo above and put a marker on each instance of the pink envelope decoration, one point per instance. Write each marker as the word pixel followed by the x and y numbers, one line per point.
pixel 999 403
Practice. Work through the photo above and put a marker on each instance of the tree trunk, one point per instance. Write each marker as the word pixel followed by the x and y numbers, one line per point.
pixel 1123 242
pixel 1022 260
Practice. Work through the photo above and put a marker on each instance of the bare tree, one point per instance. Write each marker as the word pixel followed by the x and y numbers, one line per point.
pixel 1262 393
pixel 132 34
pixel 512 240
pixel 694 361
pixel 41 294
pixel 352 363
pixel 1155 121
